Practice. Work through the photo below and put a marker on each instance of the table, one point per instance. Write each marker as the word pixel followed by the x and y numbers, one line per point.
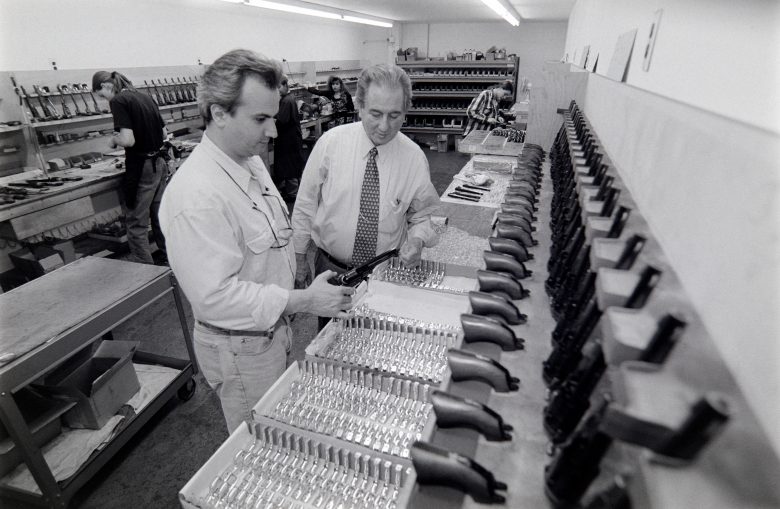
pixel 480 142
pixel 52 318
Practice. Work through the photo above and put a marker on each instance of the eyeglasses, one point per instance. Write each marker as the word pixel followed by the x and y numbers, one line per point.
pixel 285 234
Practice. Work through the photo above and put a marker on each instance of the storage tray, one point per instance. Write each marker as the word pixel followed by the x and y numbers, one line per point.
pixel 409 417
pixel 322 348
pixel 299 469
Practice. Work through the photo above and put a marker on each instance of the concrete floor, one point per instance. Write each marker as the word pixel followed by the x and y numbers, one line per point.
pixel 157 462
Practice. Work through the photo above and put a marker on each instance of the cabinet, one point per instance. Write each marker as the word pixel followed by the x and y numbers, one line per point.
pixel 83 300
pixel 443 90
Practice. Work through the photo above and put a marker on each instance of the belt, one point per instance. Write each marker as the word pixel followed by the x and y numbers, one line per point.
pixel 334 261
pixel 231 332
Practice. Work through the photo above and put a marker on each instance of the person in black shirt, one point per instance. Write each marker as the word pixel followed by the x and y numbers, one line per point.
pixel 343 107
pixel 140 129
pixel 288 145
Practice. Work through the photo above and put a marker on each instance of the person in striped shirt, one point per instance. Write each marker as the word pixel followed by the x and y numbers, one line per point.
pixel 483 112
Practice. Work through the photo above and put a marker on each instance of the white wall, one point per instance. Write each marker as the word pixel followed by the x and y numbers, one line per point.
pixel 708 186
pixel 533 42
pixel 720 55
pixel 87 34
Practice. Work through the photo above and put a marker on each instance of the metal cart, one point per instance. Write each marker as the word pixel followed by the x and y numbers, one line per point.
pixel 49 320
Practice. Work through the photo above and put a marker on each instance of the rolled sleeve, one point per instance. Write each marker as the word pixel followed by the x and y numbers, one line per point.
pixel 307 199
pixel 425 202
pixel 207 267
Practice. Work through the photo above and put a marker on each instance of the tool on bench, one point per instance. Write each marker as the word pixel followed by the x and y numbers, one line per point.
pixel 169 96
pixel 65 89
pixel 49 106
pixel 155 93
pixel 463 197
pixel 86 89
pixel 65 109
pixel 187 89
pixel 77 90
pixel 23 99
pixel 47 115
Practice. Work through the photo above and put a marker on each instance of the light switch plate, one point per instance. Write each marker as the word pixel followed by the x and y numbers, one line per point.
pixel 651 40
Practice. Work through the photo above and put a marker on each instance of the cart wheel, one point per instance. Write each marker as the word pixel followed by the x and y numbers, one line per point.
pixel 186 391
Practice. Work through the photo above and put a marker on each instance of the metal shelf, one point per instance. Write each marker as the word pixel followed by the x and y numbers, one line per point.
pixel 444 93
pixel 494 64
pixel 433 130
pixel 102 116
pixel 460 79
pixel 449 113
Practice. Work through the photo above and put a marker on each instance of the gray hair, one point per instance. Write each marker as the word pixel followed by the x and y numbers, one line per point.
pixel 390 76
pixel 222 82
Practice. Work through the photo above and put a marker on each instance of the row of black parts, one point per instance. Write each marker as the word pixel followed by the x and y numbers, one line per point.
pixel 577 363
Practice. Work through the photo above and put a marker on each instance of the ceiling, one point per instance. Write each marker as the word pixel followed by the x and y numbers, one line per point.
pixel 451 11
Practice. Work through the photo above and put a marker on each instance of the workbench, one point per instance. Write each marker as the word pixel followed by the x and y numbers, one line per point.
pixel 481 142
pixel 51 319
pixel 51 208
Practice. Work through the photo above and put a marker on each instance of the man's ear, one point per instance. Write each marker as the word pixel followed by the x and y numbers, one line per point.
pixel 218 114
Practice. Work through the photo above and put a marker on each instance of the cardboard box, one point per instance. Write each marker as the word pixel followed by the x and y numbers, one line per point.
pixel 99 386
pixel 36 263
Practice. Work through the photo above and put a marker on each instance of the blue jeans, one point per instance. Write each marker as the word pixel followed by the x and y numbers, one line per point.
pixel 147 205
pixel 241 368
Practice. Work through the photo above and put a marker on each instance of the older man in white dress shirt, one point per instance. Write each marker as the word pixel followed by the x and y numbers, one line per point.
pixel 229 234
pixel 366 187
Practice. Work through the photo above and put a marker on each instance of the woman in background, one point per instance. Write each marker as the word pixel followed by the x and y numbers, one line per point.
pixel 140 130
pixel 341 99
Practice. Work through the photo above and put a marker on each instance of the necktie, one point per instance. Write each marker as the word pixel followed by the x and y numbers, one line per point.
pixel 368 219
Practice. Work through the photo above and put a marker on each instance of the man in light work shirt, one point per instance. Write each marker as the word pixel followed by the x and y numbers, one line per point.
pixel 229 238
pixel 483 112
pixel 366 187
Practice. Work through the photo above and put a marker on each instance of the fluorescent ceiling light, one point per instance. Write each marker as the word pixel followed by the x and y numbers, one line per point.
pixel 293 8
pixel 502 11
pixel 302 8
pixel 366 21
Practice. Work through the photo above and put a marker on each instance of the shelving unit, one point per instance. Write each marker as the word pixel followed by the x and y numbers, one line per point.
pixel 443 90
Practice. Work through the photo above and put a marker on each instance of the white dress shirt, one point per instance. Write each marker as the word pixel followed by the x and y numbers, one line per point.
pixel 224 252
pixel 328 202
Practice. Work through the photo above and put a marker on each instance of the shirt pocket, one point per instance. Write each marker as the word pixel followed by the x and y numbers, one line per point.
pixel 259 241
pixel 392 216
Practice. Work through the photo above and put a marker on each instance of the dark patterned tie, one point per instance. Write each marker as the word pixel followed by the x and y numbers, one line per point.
pixel 368 218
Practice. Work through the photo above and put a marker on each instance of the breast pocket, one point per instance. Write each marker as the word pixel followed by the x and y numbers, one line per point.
pixel 392 216
pixel 259 241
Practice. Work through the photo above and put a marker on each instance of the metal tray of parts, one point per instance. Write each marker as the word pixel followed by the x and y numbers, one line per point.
pixel 422 359
pixel 368 412
pixel 414 305
pixel 428 275
pixel 262 465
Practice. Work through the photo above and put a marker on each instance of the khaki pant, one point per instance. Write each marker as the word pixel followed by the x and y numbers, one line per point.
pixel 241 368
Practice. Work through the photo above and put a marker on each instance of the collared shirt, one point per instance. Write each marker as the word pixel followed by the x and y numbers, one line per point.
pixel 223 250
pixel 328 203
pixel 482 107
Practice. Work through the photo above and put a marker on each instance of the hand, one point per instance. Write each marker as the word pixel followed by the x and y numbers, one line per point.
pixel 302 272
pixel 411 251
pixel 325 299
pixel 491 121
